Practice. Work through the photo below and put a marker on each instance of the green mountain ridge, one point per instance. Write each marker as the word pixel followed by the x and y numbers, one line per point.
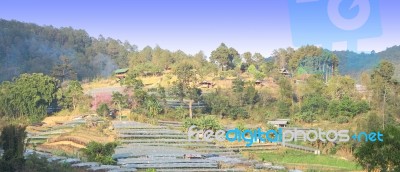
pixel 353 64
pixel 30 48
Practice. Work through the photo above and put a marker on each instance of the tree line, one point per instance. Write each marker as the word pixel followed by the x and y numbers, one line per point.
pixel 29 48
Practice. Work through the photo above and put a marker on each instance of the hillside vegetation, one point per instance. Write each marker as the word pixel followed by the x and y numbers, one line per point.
pixel 306 85
pixel 30 48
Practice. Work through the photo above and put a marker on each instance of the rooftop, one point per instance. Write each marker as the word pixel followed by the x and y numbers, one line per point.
pixel 124 70
pixel 278 122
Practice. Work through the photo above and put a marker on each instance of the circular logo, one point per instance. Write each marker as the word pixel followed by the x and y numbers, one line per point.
pixel 349 24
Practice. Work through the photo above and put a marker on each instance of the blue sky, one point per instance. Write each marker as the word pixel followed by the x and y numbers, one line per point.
pixel 194 25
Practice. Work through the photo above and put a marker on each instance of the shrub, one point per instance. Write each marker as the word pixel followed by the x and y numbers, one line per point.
pixel 238 112
pixel 12 142
pixel 150 170
pixel 153 106
pixel 342 119
pixel 241 126
pixel 204 122
pixel 314 103
pixel 307 117
pixel 34 163
pixel 217 104
pixel 284 108
pixel 99 152
pixel 103 110
pixel 347 107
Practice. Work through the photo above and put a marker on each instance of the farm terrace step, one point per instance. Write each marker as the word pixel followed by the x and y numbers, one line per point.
pixel 177 165
pixel 201 170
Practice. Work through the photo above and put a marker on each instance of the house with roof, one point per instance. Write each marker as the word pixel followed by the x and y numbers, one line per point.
pixel 121 73
pixel 258 82
pixel 285 72
pixel 279 123
pixel 207 84
pixel 361 88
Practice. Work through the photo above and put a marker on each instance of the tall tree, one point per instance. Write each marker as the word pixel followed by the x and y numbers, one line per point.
pixel 257 59
pixel 286 96
pixel 283 56
pixel 29 95
pixel 382 85
pixel 224 56
pixel 381 155
pixel 72 95
pixel 185 86
pixel 248 57
pixel 194 95
pixel 186 73
pixel 136 86
pixel 339 87
pixel 64 70
pixel 12 141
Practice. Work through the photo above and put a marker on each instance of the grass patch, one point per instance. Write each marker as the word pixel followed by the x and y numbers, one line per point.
pixel 304 160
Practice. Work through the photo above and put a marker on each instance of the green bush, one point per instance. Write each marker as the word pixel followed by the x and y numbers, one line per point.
pixel 34 163
pixel 314 103
pixel 307 117
pixel 12 142
pixel 99 152
pixel 103 110
pixel 284 108
pixel 204 122
pixel 342 119
pixel 153 106
pixel 217 104
pixel 241 126
pixel 347 107
pixel 178 113
pixel 238 112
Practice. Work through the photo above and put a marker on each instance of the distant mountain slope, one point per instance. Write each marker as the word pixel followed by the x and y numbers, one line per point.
pixel 26 47
pixel 392 54
pixel 353 64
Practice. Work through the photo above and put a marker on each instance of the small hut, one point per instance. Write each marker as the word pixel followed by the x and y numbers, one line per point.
pixel 285 72
pixel 206 84
pixel 121 73
pixel 259 83
pixel 279 123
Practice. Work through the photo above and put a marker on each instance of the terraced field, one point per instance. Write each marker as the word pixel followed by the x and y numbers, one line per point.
pixel 166 148
pixel 163 147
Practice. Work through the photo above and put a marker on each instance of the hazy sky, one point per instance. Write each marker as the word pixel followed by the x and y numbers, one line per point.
pixel 247 25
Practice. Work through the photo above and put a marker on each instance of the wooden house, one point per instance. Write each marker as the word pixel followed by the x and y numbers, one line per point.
pixel 121 73
pixel 279 123
pixel 259 83
pixel 285 72
pixel 207 84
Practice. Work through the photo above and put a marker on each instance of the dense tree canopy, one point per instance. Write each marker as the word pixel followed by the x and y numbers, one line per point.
pixel 12 142
pixel 381 156
pixel 28 95
pixel 223 56
pixel 313 90
pixel 30 48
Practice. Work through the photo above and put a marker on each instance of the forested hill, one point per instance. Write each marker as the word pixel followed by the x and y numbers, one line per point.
pixel 353 64
pixel 392 54
pixel 28 48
